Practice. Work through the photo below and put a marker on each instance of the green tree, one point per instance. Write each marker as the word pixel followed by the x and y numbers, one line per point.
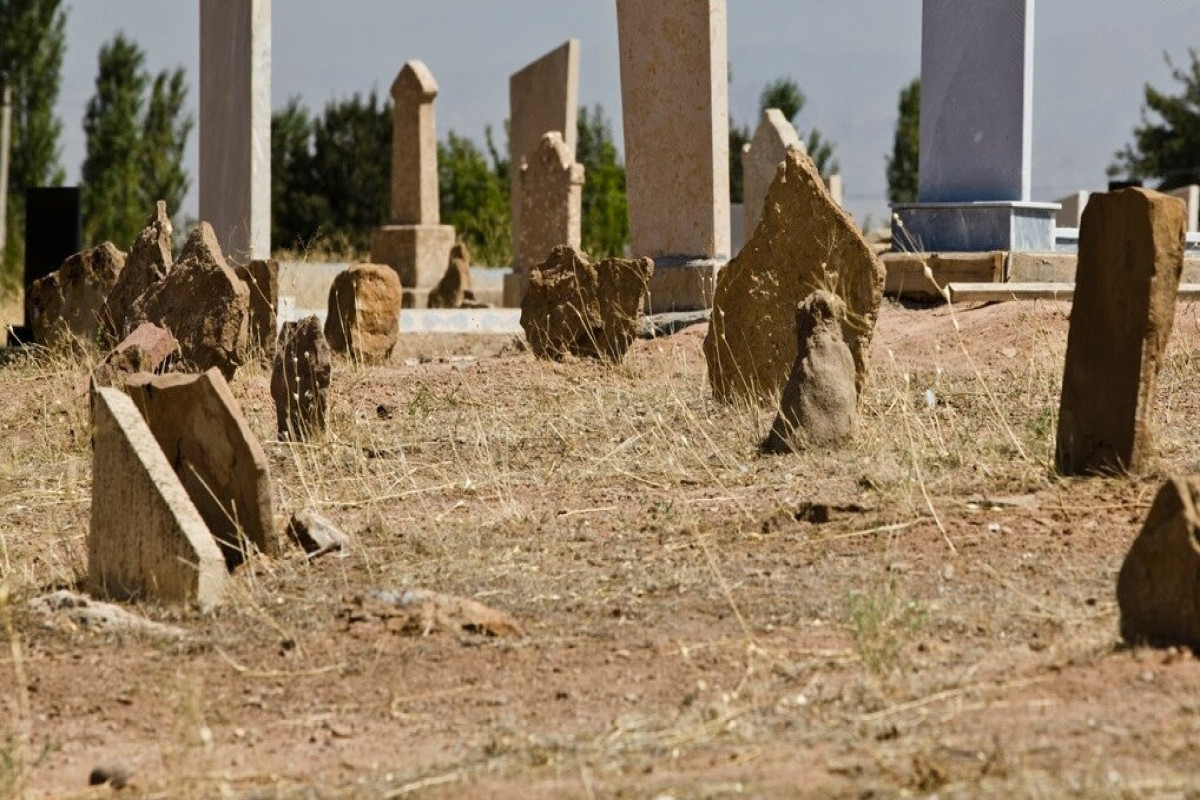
pixel 475 197
pixel 114 198
pixel 785 94
pixel 605 206
pixel 297 206
pixel 1166 146
pixel 32 43
pixel 164 140
pixel 906 147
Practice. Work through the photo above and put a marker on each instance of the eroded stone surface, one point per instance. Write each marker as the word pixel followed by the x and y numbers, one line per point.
pixel 262 279
pixel 300 378
pixel 583 309
pixel 206 440
pixel 148 349
pixel 551 202
pixel 146 538
pixel 67 307
pixel 761 158
pixel 149 262
pixel 1131 246
pixel 455 285
pixel 819 408
pixel 363 322
pixel 804 243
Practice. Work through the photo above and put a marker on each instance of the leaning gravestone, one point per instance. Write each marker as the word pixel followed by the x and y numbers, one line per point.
pixel 819 408
pixel 300 379
pixel 67 306
pixel 149 262
pixel 363 321
pixel 804 243
pixel 583 309
pixel 146 537
pixel 203 304
pixel 207 441
pixel 1131 245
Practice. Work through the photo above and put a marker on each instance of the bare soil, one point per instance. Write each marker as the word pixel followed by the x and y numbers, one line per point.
pixel 929 611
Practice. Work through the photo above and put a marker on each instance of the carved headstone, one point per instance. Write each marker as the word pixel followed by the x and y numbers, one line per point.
pixel 551 202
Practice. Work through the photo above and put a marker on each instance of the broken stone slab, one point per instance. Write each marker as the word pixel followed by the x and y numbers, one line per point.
pixel 1131 246
pixel 65 608
pixel 67 307
pixel 418 612
pixel 146 538
pixel 206 440
pixel 315 534
pixel 819 408
pixel 262 279
pixel 1158 587
pixel 203 304
pixel 363 321
pixel 455 286
pixel 805 242
pixel 300 377
pixel 148 349
pixel 150 260
pixel 574 307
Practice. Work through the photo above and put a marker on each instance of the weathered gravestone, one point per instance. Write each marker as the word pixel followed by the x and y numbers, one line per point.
pixel 1131 246
pixel 146 538
pixel 220 463
pixel 300 379
pixel 761 158
pixel 148 348
pixel 675 104
pixel 149 262
pixel 455 286
pixel 67 306
pixel 804 243
pixel 819 408
pixel 262 279
pixel 551 202
pixel 583 309
pixel 414 243
pixel 363 321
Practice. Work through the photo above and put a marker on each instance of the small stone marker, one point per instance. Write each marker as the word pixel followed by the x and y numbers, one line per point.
pixel 1158 588
pixel 149 262
pixel 1131 245
pixel 300 379
pixel 363 321
pixel 804 243
pixel 203 304
pixel 262 278
pixel 819 408
pixel 148 349
pixel 761 158
pixel 67 306
pixel 202 432
pixel 415 243
pixel 551 203
pixel 455 286
pixel 146 537
pixel 315 534
pixel 583 309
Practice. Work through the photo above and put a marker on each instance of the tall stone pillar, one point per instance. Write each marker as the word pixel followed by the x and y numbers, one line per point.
pixel 675 102
pixel 414 243
pixel 235 125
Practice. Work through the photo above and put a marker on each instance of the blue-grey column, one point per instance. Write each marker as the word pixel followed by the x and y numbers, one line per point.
pixel 976 100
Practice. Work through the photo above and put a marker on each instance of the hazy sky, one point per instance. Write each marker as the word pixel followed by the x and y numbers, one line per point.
pixel 851 57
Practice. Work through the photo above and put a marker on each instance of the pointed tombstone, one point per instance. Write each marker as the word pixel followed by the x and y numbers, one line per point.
pixel 761 158
pixel 675 103
pixel 551 202
pixel 149 261
pixel 415 243
pixel 207 441
pixel 1131 245
pixel 146 538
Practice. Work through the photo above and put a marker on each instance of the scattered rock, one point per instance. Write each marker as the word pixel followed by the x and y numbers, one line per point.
pixel 262 279
pixel 1158 588
pixel 820 404
pixel 203 304
pixel 81 611
pixel 417 612
pixel 1131 245
pixel 804 242
pixel 455 285
pixel 300 378
pixel 315 534
pixel 67 307
pixel 364 312
pixel 148 349
pixel 150 260
pixel 577 308
pixel 116 775
pixel 221 464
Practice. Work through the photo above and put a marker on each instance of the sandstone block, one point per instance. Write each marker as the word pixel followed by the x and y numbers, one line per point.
pixel 68 306
pixel 146 538
pixel 364 312
pixel 149 262
pixel 148 349
pixel 1131 245
pixel 819 408
pixel 262 279
pixel 201 430
pixel 584 309
pixel 805 242
pixel 300 379
pixel 761 158
pixel 455 285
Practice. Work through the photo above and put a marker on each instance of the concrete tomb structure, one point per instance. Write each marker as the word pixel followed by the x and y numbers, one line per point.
pixel 414 243
pixel 675 103
pixel 976 133
pixel 235 125
pixel 761 158
pixel 542 97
